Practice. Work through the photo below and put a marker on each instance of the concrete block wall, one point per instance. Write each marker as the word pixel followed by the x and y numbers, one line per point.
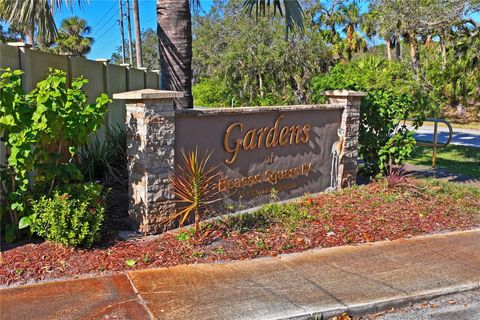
pixel 103 77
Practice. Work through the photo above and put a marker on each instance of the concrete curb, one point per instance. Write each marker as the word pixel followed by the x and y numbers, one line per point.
pixel 376 306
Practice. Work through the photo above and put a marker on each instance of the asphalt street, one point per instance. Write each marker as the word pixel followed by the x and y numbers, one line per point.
pixel 461 137
pixel 458 306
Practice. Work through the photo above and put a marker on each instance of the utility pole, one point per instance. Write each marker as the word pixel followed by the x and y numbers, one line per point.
pixel 138 35
pixel 121 30
pixel 129 26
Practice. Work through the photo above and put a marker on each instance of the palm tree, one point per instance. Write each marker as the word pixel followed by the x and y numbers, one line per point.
pixel 73 37
pixel 174 30
pixel 354 42
pixel 33 14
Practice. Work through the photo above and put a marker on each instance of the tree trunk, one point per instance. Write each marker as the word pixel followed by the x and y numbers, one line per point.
pixel 414 53
pixel 478 67
pixel 260 85
pixel 389 49
pixel 175 48
pixel 398 48
pixel 138 35
pixel 30 33
pixel 443 51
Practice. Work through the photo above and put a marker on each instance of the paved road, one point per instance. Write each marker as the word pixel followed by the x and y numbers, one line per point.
pixel 458 306
pixel 462 137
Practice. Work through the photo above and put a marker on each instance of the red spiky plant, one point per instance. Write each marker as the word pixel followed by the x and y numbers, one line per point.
pixel 195 186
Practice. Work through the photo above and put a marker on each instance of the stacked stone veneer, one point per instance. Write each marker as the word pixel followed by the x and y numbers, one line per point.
pixel 347 168
pixel 150 123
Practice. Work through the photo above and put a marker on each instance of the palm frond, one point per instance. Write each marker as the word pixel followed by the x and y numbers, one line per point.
pixel 38 12
pixel 291 10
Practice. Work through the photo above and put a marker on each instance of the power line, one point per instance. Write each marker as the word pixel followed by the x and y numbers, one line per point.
pixel 106 22
pixel 105 32
pixel 100 20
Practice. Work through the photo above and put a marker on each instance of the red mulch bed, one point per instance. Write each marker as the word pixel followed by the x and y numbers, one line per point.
pixel 357 215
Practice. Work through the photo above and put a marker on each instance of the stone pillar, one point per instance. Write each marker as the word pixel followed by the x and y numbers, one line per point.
pixel 347 165
pixel 150 124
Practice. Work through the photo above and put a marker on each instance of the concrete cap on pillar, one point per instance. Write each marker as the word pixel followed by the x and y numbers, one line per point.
pixel 345 93
pixel 147 94
pixel 19 44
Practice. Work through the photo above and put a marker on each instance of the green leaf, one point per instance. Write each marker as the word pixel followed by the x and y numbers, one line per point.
pixel 17 206
pixel 130 262
pixel 24 222
pixel 183 236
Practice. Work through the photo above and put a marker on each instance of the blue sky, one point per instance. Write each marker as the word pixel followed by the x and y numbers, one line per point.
pixel 103 15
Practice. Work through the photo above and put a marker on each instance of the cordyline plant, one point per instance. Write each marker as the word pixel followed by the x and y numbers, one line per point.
pixel 194 183
pixel 396 175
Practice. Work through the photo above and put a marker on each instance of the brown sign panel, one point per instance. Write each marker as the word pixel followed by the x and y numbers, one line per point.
pixel 281 151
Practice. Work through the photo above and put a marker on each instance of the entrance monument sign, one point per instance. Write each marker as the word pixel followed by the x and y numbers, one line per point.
pixel 288 150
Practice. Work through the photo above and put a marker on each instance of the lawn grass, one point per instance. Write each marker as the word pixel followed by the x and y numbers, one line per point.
pixel 469 125
pixel 454 159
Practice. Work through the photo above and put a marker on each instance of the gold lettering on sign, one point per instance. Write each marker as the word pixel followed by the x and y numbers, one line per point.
pixel 267 137
pixel 269 176
pixel 237 143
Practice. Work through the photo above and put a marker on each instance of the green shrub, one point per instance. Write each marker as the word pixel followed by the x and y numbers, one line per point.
pixel 211 93
pixel 42 131
pixel 393 95
pixel 72 216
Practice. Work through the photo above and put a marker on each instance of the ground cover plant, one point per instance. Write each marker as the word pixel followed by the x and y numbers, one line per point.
pixel 356 215
pixel 454 159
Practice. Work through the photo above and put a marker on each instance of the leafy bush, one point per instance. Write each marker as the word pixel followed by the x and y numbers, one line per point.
pixel 211 93
pixel 393 96
pixel 42 131
pixel 73 216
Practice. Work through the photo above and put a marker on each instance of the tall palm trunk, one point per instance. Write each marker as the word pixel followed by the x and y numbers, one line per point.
pixel 398 48
pixel 389 49
pixel 174 31
pixel 30 32
pixel 138 35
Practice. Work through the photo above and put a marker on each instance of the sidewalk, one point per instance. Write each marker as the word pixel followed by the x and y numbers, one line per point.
pixel 359 279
